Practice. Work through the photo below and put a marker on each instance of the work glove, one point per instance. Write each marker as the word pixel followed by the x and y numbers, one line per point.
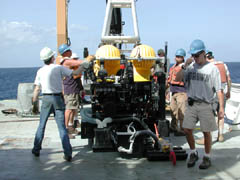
pixel 90 58
pixel 35 107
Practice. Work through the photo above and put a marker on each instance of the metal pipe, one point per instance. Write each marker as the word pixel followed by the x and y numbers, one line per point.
pixel 134 136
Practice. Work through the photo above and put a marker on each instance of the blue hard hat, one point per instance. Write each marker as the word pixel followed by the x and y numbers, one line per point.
pixel 197 46
pixel 180 52
pixel 63 48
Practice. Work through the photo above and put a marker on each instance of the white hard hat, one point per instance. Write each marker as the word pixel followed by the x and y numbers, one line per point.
pixel 74 55
pixel 46 53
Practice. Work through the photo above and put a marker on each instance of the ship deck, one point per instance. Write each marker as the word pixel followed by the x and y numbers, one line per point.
pixel 17 162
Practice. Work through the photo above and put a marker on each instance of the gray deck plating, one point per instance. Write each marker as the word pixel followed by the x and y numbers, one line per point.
pixel 17 162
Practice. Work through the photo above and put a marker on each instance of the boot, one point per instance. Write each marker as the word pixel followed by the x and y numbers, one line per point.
pixel 206 163
pixel 76 124
pixel 70 133
pixel 72 130
pixel 192 159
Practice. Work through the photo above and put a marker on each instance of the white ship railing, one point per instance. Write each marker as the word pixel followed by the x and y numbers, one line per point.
pixel 232 109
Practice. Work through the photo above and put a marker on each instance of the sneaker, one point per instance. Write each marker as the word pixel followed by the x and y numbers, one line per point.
pixel 200 141
pixel 67 158
pixel 35 153
pixel 220 138
pixel 206 163
pixel 192 160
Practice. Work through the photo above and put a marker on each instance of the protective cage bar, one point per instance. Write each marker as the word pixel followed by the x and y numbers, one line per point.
pixel 106 37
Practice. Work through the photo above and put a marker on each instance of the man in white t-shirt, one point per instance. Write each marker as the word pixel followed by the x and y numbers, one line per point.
pixel 49 80
pixel 202 81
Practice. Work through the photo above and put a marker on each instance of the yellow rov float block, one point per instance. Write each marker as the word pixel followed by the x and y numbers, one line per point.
pixel 141 67
pixel 111 66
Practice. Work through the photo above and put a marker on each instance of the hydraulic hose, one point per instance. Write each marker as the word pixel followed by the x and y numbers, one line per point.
pixel 86 114
pixel 134 136
pixel 131 119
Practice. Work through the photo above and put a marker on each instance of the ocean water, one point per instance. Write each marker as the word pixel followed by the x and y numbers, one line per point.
pixel 11 77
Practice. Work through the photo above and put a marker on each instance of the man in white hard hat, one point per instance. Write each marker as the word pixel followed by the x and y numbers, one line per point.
pixel 49 81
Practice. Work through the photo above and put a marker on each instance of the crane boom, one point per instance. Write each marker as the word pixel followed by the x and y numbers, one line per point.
pixel 62 33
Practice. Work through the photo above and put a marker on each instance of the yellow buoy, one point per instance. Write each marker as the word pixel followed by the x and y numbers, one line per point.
pixel 142 69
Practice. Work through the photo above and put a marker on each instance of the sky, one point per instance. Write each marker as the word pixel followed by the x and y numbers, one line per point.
pixel 26 26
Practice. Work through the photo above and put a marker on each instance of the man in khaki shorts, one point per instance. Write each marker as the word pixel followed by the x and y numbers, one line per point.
pixel 202 81
pixel 72 87
pixel 178 90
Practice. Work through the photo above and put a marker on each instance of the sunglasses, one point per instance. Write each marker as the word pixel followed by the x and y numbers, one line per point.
pixel 179 56
pixel 197 55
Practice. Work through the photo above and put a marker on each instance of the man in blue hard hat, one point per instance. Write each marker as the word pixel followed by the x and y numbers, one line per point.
pixel 72 87
pixel 202 80
pixel 178 94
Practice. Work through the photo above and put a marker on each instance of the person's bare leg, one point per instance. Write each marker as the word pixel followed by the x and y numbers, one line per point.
pixel 75 119
pixel 207 142
pixel 220 129
pixel 190 138
pixel 71 122
pixel 71 117
pixel 193 156
pixel 67 116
